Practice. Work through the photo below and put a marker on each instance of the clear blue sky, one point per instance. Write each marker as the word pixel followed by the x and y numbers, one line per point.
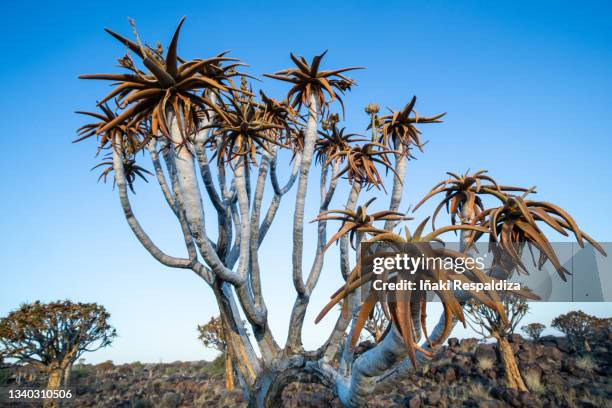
pixel 526 85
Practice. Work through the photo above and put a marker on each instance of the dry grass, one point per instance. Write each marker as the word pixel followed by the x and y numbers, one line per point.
pixel 533 381
pixel 586 363
pixel 443 361
pixel 478 392
pixel 486 363
pixel 565 394
pixel 596 401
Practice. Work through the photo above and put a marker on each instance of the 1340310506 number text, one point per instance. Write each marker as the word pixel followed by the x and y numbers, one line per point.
pixel 36 394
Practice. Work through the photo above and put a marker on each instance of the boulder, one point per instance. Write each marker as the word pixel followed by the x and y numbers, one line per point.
pixel 449 374
pixel 468 344
pixel 491 373
pixel 485 351
pixel 527 399
pixel 527 353
pixel 434 397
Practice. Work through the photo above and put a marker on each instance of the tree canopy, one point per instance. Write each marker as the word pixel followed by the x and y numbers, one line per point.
pixel 55 333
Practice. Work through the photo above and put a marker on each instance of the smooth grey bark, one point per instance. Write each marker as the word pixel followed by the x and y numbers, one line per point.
pixel 335 339
pixel 279 192
pixel 401 163
pixel 142 236
pixel 231 265
pixel 310 137
pixel 298 313
pixel 194 209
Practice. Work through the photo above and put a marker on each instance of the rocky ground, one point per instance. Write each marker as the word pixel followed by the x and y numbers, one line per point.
pixel 465 373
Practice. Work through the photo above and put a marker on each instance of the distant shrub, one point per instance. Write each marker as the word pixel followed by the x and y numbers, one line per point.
pixel 170 371
pixel 137 367
pixel 477 391
pixel 533 381
pixel 79 371
pixel 534 330
pixel 586 363
pixel 485 363
pixel 105 366
pixel 216 368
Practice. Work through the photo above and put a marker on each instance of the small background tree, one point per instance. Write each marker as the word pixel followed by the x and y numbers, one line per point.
pixel 211 335
pixel 52 336
pixel 534 330
pixel 580 327
pixel 602 328
pixel 488 323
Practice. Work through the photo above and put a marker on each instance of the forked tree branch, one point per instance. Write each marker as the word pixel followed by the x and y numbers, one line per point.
pixel 142 236
pixel 279 192
pixel 298 313
pixel 193 206
pixel 310 137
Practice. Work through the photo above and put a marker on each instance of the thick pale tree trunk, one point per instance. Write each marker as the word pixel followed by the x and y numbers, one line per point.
pixel 513 375
pixel 67 372
pixel 268 390
pixel 54 382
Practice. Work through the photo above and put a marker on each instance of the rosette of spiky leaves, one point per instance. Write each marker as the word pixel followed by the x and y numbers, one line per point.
pixel 358 221
pixel 133 135
pixel 308 79
pixel 514 225
pixel 407 310
pixel 166 86
pixel 398 129
pixel 333 140
pixel 240 129
pixel 295 141
pixel 130 168
pixel 462 192
pixel 361 161
pixel 282 113
pixel 278 113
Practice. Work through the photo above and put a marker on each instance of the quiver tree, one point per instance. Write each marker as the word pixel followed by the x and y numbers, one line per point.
pixel 488 323
pixel 212 336
pixel 184 114
pixel 580 328
pixel 602 329
pixel 52 336
pixel 534 330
